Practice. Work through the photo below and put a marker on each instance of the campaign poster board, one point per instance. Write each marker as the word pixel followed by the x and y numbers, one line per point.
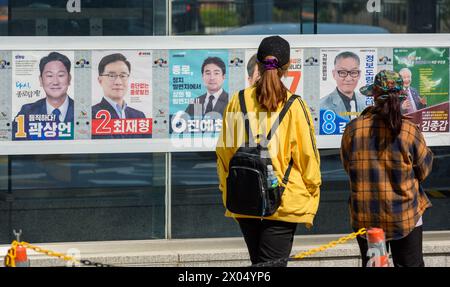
pixel 193 112
pixel 121 95
pixel 43 95
pixel 425 72
pixel 340 99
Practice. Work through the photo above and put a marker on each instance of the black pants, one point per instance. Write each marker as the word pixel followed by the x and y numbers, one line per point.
pixel 406 252
pixel 268 240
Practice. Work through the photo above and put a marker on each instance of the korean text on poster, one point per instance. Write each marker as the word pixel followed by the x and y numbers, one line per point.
pixel 42 95
pixel 342 73
pixel 198 91
pixel 425 73
pixel 121 94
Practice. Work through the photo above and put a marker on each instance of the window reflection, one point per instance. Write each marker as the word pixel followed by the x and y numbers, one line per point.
pixel 248 17
pixel 86 197
pixel 333 217
pixel 3 17
pixel 222 17
pixel 197 209
pixel 235 17
pixel 95 18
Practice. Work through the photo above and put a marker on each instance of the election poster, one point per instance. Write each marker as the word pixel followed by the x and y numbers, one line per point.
pixel 342 73
pixel 198 92
pixel 251 68
pixel 43 95
pixel 293 80
pixel 425 73
pixel 121 94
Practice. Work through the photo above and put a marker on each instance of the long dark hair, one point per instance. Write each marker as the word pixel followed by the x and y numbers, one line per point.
pixel 387 109
pixel 270 91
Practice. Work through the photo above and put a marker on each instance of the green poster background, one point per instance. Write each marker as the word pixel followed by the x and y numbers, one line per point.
pixel 430 71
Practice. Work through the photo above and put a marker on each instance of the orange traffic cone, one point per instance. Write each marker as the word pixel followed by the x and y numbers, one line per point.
pixel 21 252
pixel 21 257
pixel 377 252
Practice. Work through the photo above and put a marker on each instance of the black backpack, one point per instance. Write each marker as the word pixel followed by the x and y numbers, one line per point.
pixel 248 192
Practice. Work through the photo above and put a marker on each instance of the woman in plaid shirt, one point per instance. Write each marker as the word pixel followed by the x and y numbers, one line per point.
pixel 386 158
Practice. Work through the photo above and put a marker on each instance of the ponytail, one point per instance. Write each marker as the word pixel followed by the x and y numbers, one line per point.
pixel 270 91
pixel 388 110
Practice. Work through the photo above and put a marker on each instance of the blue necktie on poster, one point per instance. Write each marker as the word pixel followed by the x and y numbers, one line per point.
pixel 57 113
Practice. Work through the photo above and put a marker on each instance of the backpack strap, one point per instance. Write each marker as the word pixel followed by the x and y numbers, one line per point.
pixel 288 171
pixel 291 162
pixel 248 130
pixel 281 116
pixel 274 129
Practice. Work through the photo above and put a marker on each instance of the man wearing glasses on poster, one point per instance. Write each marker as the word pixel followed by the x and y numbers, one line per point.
pixel 344 101
pixel 114 72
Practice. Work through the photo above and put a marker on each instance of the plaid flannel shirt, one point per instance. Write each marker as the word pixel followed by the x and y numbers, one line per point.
pixel 385 175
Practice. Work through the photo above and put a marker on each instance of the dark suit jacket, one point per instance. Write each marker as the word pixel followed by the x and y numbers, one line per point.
pixel 416 97
pixel 219 107
pixel 40 108
pixel 335 103
pixel 130 113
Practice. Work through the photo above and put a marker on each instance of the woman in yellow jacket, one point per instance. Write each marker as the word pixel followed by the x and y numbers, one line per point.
pixel 270 238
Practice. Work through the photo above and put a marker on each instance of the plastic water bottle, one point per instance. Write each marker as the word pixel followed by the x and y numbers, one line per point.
pixel 272 180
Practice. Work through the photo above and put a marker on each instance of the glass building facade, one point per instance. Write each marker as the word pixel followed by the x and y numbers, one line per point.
pixel 134 196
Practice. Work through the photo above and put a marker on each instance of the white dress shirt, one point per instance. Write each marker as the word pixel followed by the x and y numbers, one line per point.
pixel 119 110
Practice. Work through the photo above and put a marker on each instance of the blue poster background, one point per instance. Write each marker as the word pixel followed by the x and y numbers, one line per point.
pixel 186 86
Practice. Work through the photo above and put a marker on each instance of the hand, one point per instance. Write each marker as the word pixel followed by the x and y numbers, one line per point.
pixel 423 100
pixel 406 105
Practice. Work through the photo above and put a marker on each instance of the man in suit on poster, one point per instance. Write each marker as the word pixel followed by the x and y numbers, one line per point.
pixel 216 98
pixel 55 80
pixel 113 75
pixel 343 100
pixel 413 102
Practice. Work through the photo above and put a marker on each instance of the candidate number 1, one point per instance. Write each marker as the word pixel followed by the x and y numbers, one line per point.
pixel 20 120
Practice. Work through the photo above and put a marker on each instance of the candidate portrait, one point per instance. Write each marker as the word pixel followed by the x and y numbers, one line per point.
pixel 113 76
pixel 216 98
pixel 344 100
pixel 413 101
pixel 55 79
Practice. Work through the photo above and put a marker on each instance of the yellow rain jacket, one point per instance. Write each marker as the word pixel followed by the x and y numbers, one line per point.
pixel 293 138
